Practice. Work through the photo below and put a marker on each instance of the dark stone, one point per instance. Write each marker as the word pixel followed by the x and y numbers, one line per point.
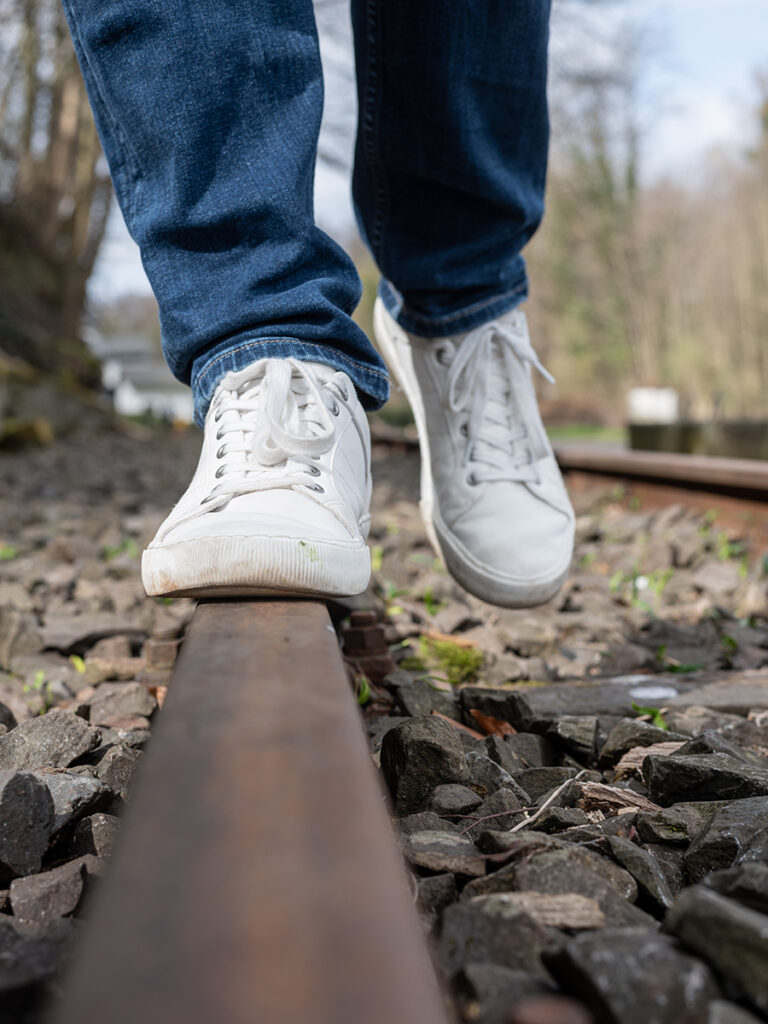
pixel 443 851
pixel 515 844
pixel 485 992
pixel 486 777
pixel 540 781
pixel 117 769
pixel 7 717
pixel 452 799
pixel 419 755
pixel 27 958
pixel 576 735
pixel 377 728
pixel 556 819
pixel 424 821
pixel 503 754
pixel 702 777
pixel 633 976
pixel 53 740
pixel 501 810
pixel 670 860
pixel 474 933
pixel 74 795
pixel 731 938
pixel 95 835
pixel 747 884
pixel 676 826
pixel 26 823
pixel 434 894
pixel 535 751
pixel 655 895
pixel 56 893
pixel 417 698
pixel 728 838
pixel 630 733
pixel 711 742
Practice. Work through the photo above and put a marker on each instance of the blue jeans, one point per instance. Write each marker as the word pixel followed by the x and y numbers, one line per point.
pixel 209 116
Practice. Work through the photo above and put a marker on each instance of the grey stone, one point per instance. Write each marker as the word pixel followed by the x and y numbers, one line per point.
pixel 575 734
pixel 721 1012
pixel 419 755
pixel 424 821
pixel 74 794
pixel 486 777
pixel 747 884
pixel 540 781
pixel 452 799
pixel 74 633
pixel 728 837
pixel 631 733
pixel 18 635
pixel 566 912
pixel 117 769
pixel 53 740
pixel 27 958
pixel 434 894
pixel 503 754
pixel 711 742
pixel 95 835
pixel 509 937
pixel 557 819
pixel 676 826
pixel 702 777
pixel 695 720
pixel 501 810
pixel 56 893
pixel 670 860
pixel 120 699
pixel 654 893
pixel 417 698
pixel 443 851
pixel 738 695
pixel 730 937
pixel 26 822
pixel 485 992
pixel 633 976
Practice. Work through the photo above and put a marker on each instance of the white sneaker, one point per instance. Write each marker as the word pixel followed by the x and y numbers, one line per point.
pixel 492 497
pixel 279 503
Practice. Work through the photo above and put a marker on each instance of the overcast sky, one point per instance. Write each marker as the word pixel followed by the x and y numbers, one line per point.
pixel 709 51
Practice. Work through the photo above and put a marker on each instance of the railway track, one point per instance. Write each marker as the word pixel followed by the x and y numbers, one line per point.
pixel 251 901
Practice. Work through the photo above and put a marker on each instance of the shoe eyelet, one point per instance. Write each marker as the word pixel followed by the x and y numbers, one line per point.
pixel 219 434
pixel 217 415
pixel 316 487
pixel 464 430
pixel 441 355
pixel 313 471
pixel 220 472
pixel 335 409
pixel 472 480
pixel 221 452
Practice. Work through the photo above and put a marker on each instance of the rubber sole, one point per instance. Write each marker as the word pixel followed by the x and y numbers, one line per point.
pixel 475 577
pixel 255 566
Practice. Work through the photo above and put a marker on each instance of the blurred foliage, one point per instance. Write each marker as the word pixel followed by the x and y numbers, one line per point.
pixel 54 191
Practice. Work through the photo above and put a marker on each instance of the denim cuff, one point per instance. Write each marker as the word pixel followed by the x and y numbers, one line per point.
pixel 472 315
pixel 207 372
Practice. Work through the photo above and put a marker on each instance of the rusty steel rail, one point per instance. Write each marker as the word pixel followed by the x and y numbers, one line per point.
pixel 256 880
pixel 746 478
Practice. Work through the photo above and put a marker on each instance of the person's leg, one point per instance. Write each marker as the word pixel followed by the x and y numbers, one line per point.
pixel 451 153
pixel 449 184
pixel 209 116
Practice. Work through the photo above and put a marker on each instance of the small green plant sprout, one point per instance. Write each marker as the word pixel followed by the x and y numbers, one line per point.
pixel 363 690
pixel 41 686
pixel 673 665
pixel 7 551
pixel 458 662
pixel 127 546
pixel 377 557
pixel 655 715
pixel 587 559
pixel 432 606
pixel 727 548
pixel 78 663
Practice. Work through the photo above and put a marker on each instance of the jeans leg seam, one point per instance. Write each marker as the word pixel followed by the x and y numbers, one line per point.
pixel 369 116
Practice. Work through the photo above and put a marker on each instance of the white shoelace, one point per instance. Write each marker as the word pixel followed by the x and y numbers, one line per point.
pixel 273 427
pixel 485 381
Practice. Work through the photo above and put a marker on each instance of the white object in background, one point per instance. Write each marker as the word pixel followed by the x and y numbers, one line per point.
pixel 653 405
